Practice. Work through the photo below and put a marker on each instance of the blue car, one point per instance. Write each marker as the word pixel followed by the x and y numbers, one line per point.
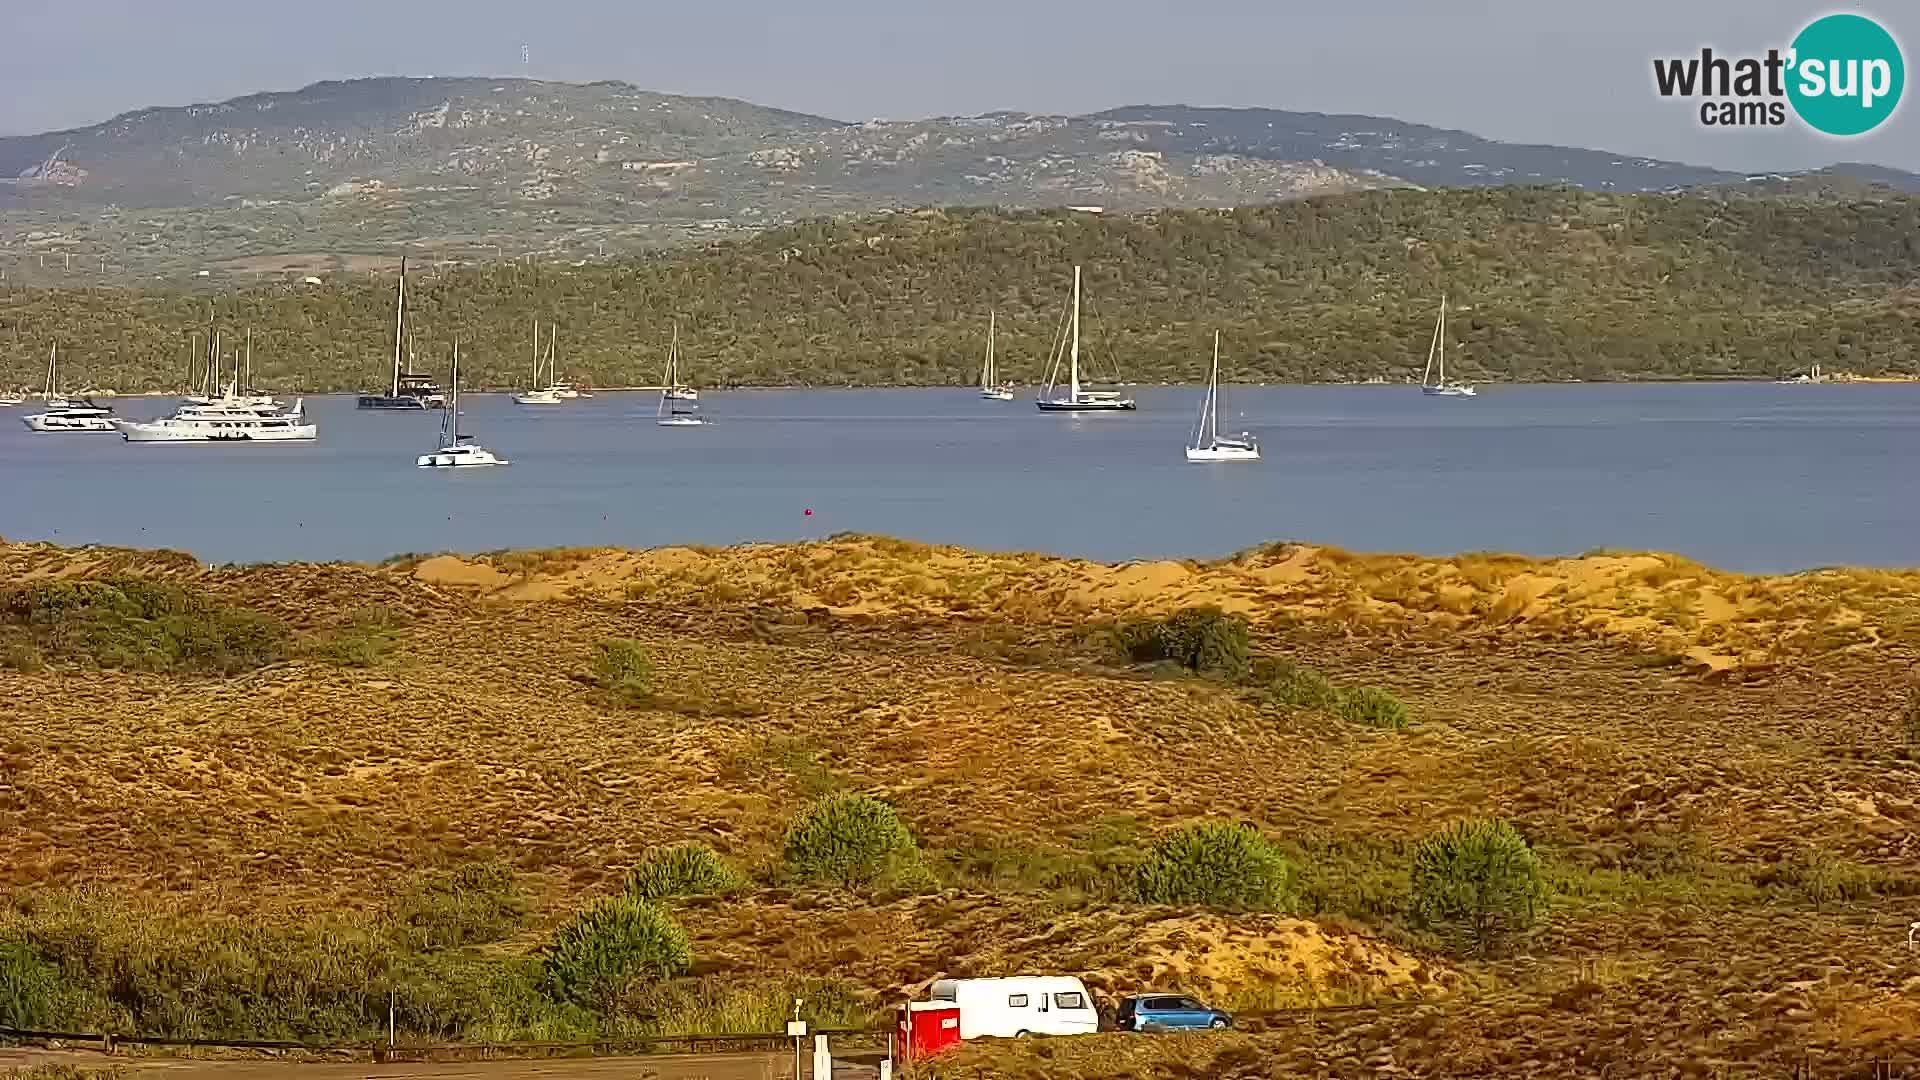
pixel 1168 1012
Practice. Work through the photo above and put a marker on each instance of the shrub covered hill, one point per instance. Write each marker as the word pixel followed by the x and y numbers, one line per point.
pixel 1615 815
pixel 1547 283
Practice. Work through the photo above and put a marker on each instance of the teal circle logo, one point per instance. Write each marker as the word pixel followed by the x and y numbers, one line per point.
pixel 1847 74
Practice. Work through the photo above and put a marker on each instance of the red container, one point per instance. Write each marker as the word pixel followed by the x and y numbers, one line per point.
pixel 925 1028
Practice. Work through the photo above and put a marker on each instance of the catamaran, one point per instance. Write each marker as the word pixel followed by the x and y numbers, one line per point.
pixel 672 390
pixel 457 451
pixel 1077 399
pixel 990 388
pixel 65 414
pixel 1208 444
pixel 409 392
pixel 235 417
pixel 1434 381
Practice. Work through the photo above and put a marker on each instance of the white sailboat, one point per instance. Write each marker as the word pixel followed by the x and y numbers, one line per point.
pixel 65 414
pixel 1434 381
pixel 1814 374
pixel 457 451
pixel 990 387
pixel 1076 398
pixel 1208 444
pixel 676 416
pixel 537 394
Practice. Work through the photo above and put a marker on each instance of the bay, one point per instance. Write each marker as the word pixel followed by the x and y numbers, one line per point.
pixel 1755 477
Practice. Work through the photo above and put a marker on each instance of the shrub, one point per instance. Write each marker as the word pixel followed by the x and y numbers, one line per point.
pixel 621 668
pixel 472 905
pixel 609 948
pixel 682 870
pixel 1825 878
pixel 1373 707
pixel 849 839
pixel 27 985
pixel 1220 865
pixel 363 642
pixel 134 623
pixel 1202 639
pixel 1478 879
pixel 1293 684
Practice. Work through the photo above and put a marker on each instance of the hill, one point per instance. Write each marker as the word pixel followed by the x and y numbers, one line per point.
pixel 249 801
pixel 479 168
pixel 1547 284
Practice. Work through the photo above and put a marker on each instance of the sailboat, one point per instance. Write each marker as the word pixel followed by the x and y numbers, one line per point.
pixel 1813 374
pixel 409 392
pixel 65 413
pixel 677 416
pixel 989 388
pixel 1208 444
pixel 1434 381
pixel 457 451
pixel 1077 399
pixel 241 392
pixel 537 394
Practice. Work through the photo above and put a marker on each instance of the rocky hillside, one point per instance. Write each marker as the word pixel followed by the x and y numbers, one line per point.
pixel 487 168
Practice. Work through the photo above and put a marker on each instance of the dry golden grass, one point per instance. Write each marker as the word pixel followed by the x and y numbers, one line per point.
pixel 1567 695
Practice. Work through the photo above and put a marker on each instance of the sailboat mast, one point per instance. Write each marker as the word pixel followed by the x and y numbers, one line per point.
pixel 249 375
pixel 453 396
pixel 213 371
pixel 53 373
pixel 399 326
pixel 535 384
pixel 986 374
pixel 1443 339
pixel 1073 370
pixel 1213 394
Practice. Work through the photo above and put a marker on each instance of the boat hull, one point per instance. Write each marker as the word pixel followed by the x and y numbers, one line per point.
pixel 1449 391
pixel 482 460
pixel 392 403
pixel 1063 405
pixel 683 395
pixel 537 398
pixel 163 433
pixel 51 425
pixel 997 395
pixel 1223 453
pixel 681 421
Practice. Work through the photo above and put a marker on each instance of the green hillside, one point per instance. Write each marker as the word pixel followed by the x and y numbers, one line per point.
pixel 1547 284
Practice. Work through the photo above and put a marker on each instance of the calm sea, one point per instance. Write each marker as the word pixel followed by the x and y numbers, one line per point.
pixel 1745 476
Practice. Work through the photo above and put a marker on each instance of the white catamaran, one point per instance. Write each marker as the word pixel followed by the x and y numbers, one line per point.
pixel 457 451
pixel 671 389
pixel 1208 444
pixel 65 414
pixel 1434 381
pixel 990 386
pixel 1077 399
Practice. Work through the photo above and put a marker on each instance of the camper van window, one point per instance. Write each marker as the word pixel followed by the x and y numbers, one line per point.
pixel 1016 1001
pixel 1073 1000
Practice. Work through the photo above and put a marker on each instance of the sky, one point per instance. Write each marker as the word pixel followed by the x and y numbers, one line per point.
pixel 1550 71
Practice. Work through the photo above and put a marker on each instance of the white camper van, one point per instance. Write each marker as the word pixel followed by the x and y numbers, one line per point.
pixel 1023 1005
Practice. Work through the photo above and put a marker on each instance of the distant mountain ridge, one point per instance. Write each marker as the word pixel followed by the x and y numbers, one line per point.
pixel 481 167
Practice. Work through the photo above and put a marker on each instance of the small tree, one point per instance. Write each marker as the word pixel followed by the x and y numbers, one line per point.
pixel 609 947
pixel 1218 864
pixel 849 839
pixel 622 668
pixel 1477 878
pixel 682 870
pixel 1202 639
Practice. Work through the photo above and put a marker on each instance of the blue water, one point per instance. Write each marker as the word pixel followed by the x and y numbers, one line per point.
pixel 1746 476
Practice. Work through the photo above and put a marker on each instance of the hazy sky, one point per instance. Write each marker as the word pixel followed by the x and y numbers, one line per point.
pixel 1553 71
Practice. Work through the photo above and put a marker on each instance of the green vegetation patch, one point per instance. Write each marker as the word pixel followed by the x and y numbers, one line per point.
pixel 1218 864
pixel 135 624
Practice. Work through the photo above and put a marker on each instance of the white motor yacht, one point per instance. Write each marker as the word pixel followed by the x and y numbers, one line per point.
pixel 234 418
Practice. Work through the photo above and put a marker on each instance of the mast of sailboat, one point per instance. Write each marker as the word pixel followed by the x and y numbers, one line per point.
pixel 1426 373
pixel 553 363
pixel 1073 370
pixel 249 375
pixel 535 384
pixel 1443 339
pixel 1212 433
pixel 53 373
pixel 399 325
pixel 213 367
pixel 986 373
pixel 453 397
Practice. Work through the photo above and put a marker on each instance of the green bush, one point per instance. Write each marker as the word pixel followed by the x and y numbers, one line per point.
pixel 682 870
pixel 849 839
pixel 137 624
pixel 1287 683
pixel 1217 864
pixel 473 904
pixel 622 668
pixel 1202 639
pixel 611 947
pixel 364 642
pixel 27 986
pixel 1824 878
pixel 1478 880
pixel 1373 707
